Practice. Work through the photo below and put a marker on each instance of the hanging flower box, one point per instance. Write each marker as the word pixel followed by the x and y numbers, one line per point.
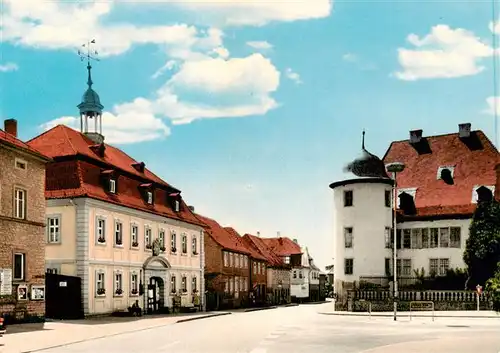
pixel 162 248
pixel 135 244
pixel 101 291
pixel 119 291
pixel 149 246
pixel 134 291
pixel 101 240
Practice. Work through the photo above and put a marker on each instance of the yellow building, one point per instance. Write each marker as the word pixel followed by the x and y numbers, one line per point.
pixel 124 231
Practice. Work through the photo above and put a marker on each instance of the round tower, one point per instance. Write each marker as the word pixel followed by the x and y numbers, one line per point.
pixel 362 222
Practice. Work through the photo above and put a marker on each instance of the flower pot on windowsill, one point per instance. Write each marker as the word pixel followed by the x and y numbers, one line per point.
pixel 172 292
pixel 135 244
pixel 101 240
pixel 119 243
pixel 184 292
pixel 173 250
pixel 118 292
pixel 101 291
pixel 162 248
pixel 134 292
pixel 149 246
pixel 195 252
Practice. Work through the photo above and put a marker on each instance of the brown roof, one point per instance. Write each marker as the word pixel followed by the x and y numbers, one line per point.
pixel 282 246
pixel 222 237
pixel 254 252
pixel 474 159
pixel 77 172
pixel 261 246
pixel 12 141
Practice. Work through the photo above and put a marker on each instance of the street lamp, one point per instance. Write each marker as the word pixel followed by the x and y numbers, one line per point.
pixel 394 168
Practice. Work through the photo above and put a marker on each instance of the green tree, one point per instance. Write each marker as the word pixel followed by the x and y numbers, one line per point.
pixel 493 289
pixel 482 250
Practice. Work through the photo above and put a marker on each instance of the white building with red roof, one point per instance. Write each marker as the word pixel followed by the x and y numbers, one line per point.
pixel 124 231
pixel 444 178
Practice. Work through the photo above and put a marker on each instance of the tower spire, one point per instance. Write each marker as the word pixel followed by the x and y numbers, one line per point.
pixel 363 140
pixel 90 107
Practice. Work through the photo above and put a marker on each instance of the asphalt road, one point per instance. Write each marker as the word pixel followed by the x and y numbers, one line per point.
pixel 302 329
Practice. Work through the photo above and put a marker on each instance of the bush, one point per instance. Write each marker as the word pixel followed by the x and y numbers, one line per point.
pixel 493 289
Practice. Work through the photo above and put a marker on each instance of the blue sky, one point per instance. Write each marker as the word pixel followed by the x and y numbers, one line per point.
pixel 252 108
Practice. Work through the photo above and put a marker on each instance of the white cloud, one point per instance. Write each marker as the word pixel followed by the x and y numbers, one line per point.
pixel 248 81
pixel 64 25
pixel 8 67
pixel 444 53
pixel 129 123
pixel 492 103
pixel 292 75
pixel 494 27
pixel 350 57
pixel 256 12
pixel 262 45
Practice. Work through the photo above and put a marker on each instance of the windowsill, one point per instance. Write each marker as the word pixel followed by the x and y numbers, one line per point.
pixel 120 246
pixel 100 295
pixel 195 254
pixel 173 253
pixel 101 244
pixel 184 254
pixel 134 295
pixel 118 295
pixel 173 294
pixel 149 250
pixel 134 248
pixel 53 243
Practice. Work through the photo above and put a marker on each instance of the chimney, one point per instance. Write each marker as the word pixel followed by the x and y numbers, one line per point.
pixel 258 234
pixel 464 130
pixel 10 126
pixel 415 136
pixel 295 241
pixel 139 167
pixel 191 208
pixel 279 234
pixel 497 186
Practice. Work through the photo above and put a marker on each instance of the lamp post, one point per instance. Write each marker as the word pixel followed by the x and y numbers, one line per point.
pixel 394 168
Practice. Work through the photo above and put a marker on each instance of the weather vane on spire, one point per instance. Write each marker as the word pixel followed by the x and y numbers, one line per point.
pixel 363 140
pixel 89 55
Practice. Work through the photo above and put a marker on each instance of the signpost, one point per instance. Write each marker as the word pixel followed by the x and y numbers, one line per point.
pixel 479 291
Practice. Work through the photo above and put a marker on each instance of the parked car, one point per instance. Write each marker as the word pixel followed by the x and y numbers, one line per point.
pixel 3 328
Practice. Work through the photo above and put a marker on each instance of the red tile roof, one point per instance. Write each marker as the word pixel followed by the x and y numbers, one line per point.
pixel 222 237
pixel 63 141
pixel 11 141
pixel 473 166
pixel 76 172
pixel 273 259
pixel 252 249
pixel 282 246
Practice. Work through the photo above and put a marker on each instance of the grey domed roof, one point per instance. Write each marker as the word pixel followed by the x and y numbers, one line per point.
pixel 90 99
pixel 367 165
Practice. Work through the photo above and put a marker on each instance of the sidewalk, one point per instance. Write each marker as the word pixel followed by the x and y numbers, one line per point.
pixel 32 337
pixel 469 314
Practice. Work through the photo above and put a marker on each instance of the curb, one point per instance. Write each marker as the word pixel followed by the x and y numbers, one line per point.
pixel 416 315
pixel 201 317
pixel 289 305
pixel 315 303
pixel 119 333
pixel 258 309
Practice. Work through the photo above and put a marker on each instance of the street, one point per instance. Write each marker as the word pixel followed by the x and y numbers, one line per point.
pixel 302 329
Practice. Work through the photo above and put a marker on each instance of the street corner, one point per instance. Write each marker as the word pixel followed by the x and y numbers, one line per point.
pixel 200 317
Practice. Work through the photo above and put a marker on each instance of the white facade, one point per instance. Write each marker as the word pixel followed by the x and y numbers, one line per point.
pixel 300 277
pixel 434 246
pixel 361 228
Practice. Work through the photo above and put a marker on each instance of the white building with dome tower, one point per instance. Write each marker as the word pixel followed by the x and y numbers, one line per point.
pixel 362 217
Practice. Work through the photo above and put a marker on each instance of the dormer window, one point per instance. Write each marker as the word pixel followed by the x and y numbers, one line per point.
pixel 139 167
pixel 482 193
pixel 406 201
pixel 109 180
pixel 112 186
pixel 446 173
pixel 175 201
pixel 98 149
pixel 147 193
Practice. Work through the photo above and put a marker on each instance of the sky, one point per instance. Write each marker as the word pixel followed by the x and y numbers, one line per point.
pixel 252 108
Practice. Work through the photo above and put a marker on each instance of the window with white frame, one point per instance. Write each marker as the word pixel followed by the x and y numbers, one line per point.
pixel 242 285
pixel 433 267
pixel 134 235
pixel 294 273
pixel 231 285
pixel 246 284
pixel 161 238
pixel 231 259
pixel 21 164
pixel 259 269
pixel 118 233
pixel 254 268
pixel 19 267
pixel 242 261
pixel 348 237
pixel 101 230
pixel 236 286
pixel 173 284
pixel 112 186
pixel 149 196
pixel 406 267
pixel 194 245
pixel 184 284
pixel 118 283
pixel 246 261
pixel 184 244
pixel 226 259
pixel 237 260
pixel 134 283
pixel 194 284
pixel 173 242
pixel 100 283
pixel 226 285
pixel 286 260
pixel 20 203
pixel 388 238
pixel 147 237
pixel 54 229
pixel 444 266
pixel 177 206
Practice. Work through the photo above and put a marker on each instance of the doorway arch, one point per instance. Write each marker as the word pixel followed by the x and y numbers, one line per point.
pixel 156 269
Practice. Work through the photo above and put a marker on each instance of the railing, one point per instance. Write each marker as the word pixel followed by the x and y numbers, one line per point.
pixel 434 296
pixel 420 303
